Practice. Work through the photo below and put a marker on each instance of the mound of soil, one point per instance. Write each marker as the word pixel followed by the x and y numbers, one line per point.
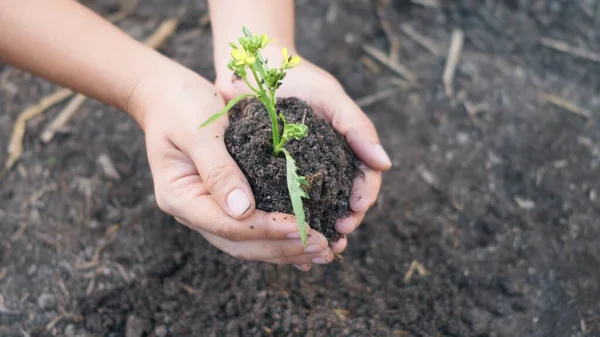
pixel 323 157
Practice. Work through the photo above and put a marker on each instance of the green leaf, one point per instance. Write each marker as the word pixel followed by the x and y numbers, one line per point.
pixel 294 184
pixel 246 32
pixel 225 109
pixel 296 131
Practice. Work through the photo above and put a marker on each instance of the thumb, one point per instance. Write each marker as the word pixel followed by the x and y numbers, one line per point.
pixel 232 86
pixel 220 174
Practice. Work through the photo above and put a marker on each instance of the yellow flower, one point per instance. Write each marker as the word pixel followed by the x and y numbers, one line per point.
pixel 289 61
pixel 241 57
pixel 238 54
pixel 294 61
pixel 285 54
pixel 264 40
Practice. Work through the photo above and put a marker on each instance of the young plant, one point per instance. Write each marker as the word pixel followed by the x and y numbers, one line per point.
pixel 246 61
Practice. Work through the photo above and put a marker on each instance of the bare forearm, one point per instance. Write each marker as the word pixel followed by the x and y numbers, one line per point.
pixel 272 17
pixel 66 43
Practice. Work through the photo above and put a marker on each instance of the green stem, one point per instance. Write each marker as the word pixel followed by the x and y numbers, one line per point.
pixel 245 78
pixel 270 109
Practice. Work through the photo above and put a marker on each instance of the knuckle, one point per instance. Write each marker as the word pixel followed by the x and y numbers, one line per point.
pixel 282 253
pixel 218 176
pixel 227 233
pixel 164 203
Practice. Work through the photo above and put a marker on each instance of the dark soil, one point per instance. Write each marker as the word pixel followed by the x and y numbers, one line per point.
pixel 323 157
pixel 499 203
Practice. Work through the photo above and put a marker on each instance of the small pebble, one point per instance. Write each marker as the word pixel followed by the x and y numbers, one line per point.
pixel 135 327
pixel 462 137
pixel 46 301
pixel 160 331
pixel 70 330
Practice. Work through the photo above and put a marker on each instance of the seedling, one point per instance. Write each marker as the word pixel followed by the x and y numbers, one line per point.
pixel 246 59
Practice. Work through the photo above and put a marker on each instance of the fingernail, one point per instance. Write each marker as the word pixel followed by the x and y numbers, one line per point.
pixel 381 155
pixel 238 202
pixel 312 249
pixel 320 260
pixel 303 267
pixel 294 235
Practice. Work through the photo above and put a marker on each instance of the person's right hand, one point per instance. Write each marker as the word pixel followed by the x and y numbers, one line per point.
pixel 197 181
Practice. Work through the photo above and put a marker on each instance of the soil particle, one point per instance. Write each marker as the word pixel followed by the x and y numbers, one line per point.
pixel 70 330
pixel 136 327
pixel 161 331
pixel 323 157
pixel 46 301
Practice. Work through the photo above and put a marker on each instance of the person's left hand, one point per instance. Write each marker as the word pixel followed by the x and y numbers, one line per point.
pixel 327 97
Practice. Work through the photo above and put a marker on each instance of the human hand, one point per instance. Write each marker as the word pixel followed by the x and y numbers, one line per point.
pixel 325 94
pixel 198 182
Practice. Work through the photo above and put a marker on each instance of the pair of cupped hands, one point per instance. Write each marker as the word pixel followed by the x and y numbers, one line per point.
pixel 198 182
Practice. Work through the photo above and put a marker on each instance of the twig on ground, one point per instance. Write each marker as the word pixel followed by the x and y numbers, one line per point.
pixel 370 64
pixel 394 54
pixel 332 12
pixel 188 289
pixel 126 8
pixel 415 266
pixel 108 167
pixel 471 112
pixel 428 3
pixel 342 314
pixel 15 146
pixel 19 232
pixel 90 288
pixel 566 48
pixel 37 195
pixel 108 238
pixel 162 33
pixel 64 317
pixel 204 20
pixel 63 288
pixel 47 239
pixel 123 273
pixel 377 96
pixel 429 178
pixel 421 39
pixel 63 117
pixel 6 84
pixel 454 52
pixel 563 103
pixel 395 66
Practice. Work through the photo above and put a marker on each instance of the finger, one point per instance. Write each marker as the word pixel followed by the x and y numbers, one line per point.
pixel 220 173
pixel 324 257
pixel 365 189
pixel 350 121
pixel 350 223
pixel 288 251
pixel 347 224
pixel 202 213
pixel 339 246
pixel 233 87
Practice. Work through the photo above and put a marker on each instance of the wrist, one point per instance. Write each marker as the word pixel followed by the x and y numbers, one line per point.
pixel 158 85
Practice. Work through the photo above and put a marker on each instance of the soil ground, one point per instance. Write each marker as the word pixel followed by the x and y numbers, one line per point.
pixel 494 193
